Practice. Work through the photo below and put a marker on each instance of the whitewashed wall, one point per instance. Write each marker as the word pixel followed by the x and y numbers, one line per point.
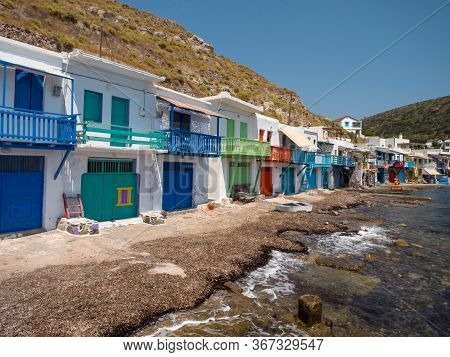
pixel 141 94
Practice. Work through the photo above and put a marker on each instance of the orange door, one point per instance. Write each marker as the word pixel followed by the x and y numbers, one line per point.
pixel 266 181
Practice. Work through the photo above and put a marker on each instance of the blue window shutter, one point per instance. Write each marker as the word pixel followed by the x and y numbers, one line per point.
pixel 22 90
pixel 37 92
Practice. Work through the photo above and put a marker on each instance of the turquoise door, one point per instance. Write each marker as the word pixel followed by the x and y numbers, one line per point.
pixel 313 180
pixel 109 190
pixel 120 110
pixel 287 181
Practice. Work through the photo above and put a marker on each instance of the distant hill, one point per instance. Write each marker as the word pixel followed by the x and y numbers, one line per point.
pixel 419 122
pixel 155 44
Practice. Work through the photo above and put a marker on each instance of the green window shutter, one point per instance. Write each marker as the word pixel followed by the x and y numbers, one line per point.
pixel 230 128
pixel 92 110
pixel 244 131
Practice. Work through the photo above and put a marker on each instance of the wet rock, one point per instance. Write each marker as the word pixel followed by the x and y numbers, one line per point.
pixel 232 286
pixel 401 243
pixel 343 263
pixel 310 309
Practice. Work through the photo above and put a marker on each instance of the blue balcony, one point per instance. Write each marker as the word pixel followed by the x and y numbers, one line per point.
pixel 314 159
pixel 180 142
pixel 25 129
pixel 338 160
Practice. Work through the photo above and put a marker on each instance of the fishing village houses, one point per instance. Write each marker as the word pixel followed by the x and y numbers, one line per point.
pixel 81 133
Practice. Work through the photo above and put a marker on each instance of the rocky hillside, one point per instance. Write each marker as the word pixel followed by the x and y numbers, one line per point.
pixel 150 42
pixel 420 122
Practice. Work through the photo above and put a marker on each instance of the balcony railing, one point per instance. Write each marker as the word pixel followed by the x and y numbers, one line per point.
pixel 338 160
pixel 279 154
pixel 29 128
pixel 311 158
pixel 188 143
pixel 121 136
pixel 244 147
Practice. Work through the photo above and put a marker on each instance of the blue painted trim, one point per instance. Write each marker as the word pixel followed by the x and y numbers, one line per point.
pixel 72 96
pixel 37 146
pixel 172 113
pixel 218 126
pixel 4 85
pixel 63 161
pixel 38 112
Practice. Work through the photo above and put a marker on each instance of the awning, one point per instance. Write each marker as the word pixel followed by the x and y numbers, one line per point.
pixel 188 106
pixel 297 136
pixel 431 172
pixel 12 60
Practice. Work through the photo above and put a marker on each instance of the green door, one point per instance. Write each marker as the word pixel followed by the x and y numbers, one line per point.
pixel 120 109
pixel 243 131
pixel 239 177
pixel 109 190
pixel 230 128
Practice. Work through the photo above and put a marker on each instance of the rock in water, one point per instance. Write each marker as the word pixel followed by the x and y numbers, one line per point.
pixel 231 286
pixel 401 243
pixel 310 309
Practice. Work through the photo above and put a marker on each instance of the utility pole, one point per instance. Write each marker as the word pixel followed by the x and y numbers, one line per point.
pixel 290 108
pixel 101 34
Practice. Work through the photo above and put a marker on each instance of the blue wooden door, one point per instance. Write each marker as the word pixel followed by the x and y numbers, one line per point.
pixel 21 192
pixel 402 176
pixel 313 180
pixel 177 185
pixel 287 181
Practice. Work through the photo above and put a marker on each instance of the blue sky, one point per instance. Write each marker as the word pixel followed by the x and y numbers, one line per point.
pixel 310 46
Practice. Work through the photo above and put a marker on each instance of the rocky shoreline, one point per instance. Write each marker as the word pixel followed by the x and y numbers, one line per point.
pixel 118 296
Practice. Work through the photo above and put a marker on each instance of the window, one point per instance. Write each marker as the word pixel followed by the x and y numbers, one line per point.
pixel 29 91
pixel 269 136
pixel 124 196
pixel 92 110
pixel 181 121
pixel 243 132
pixel 261 134
pixel 346 123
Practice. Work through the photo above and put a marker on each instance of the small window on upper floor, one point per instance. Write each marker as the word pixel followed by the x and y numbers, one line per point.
pixel 346 123
pixel 181 121
pixel 92 110
pixel 269 136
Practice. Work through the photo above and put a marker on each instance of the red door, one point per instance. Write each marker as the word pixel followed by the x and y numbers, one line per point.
pixel 266 181
pixel 391 176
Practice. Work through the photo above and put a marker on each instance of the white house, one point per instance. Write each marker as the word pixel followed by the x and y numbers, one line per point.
pixel 37 133
pixel 350 124
pixel 241 151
